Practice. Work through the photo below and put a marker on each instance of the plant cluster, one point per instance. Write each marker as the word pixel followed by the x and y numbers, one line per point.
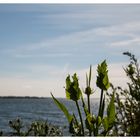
pixel 127 101
pixel 37 128
pixel 91 124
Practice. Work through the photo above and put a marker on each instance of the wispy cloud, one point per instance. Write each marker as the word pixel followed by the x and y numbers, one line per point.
pixel 127 43
pixel 106 38
pixel 103 29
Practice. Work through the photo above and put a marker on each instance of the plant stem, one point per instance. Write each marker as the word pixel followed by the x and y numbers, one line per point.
pixel 101 100
pixel 96 131
pixel 80 117
pixel 88 98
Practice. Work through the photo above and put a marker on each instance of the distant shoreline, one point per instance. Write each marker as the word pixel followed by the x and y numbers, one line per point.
pixel 25 97
pixel 31 97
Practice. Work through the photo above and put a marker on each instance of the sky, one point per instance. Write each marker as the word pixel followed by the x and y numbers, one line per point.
pixel 40 44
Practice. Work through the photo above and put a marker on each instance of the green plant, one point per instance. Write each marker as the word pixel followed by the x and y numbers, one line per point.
pixel 73 92
pixel 127 101
pixel 16 125
pixel 37 128
pixel 41 128
pixel 96 125
pixel 103 83
pixel 88 92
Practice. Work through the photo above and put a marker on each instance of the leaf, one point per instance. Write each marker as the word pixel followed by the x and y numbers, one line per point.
pixel 102 79
pixel 84 106
pixel 75 119
pixel 106 82
pixel 71 127
pixel 105 123
pixel 68 82
pixel 74 124
pixel 90 121
pixel 111 111
pixel 63 108
pixel 99 120
pixel 90 76
pixel 73 92
pixel 86 80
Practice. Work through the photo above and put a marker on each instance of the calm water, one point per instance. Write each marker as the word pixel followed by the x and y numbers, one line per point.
pixel 31 109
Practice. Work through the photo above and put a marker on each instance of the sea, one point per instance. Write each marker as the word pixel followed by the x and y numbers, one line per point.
pixel 38 109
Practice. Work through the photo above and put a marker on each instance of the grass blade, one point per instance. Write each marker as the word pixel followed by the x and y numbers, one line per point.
pixel 63 108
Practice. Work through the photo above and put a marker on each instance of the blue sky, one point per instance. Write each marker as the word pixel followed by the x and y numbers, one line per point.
pixel 41 43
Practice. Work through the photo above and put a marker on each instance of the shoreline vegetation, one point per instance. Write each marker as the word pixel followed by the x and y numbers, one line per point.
pixel 119 116
pixel 36 128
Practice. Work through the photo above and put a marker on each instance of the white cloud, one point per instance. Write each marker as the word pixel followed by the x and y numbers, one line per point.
pixel 127 43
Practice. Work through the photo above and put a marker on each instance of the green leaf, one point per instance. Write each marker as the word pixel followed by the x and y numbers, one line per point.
pixel 86 80
pixel 84 106
pixel 63 108
pixel 73 125
pixel 90 121
pixel 111 112
pixel 105 123
pixel 90 76
pixel 106 82
pixel 73 91
pixel 99 120
pixel 102 79
pixel 75 119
